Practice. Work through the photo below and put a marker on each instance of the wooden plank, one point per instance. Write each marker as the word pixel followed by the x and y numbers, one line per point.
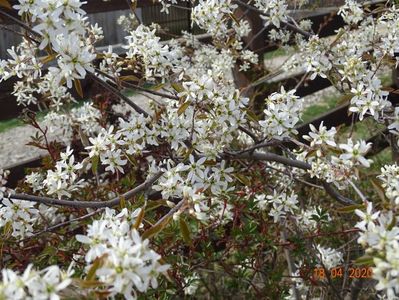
pixel 18 170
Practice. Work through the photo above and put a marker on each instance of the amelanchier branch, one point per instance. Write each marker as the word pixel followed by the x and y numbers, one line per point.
pixel 62 224
pixel 89 204
pixel 147 184
pixel 293 163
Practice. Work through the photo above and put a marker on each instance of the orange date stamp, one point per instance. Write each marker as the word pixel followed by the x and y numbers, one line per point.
pixel 339 272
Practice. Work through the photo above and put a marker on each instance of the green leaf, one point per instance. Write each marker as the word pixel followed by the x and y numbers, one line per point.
pixel 98 262
pixel 243 179
pixel 129 78
pixel 350 208
pixel 364 260
pixel 185 231
pixel 78 87
pixel 157 87
pixel 122 202
pixel 87 283
pixel 153 204
pixel 252 116
pixel 94 164
pixel 48 58
pixel 155 229
pixel 139 219
pixel 183 108
pixel 177 87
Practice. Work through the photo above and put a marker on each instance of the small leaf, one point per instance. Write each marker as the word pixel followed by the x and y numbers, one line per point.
pixel 243 179
pixel 94 164
pixel 155 229
pixel 87 283
pixel 183 108
pixel 5 3
pixel 122 202
pixel 129 78
pixel 157 87
pixel 202 116
pixel 185 231
pixel 83 137
pixel 48 58
pixel 153 204
pixel 139 219
pixel 350 208
pixel 177 87
pixel 379 189
pixel 234 19
pixel 364 260
pixel 78 87
pixel 98 262
pixel 252 116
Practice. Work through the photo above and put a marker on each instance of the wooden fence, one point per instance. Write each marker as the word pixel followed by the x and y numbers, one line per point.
pixel 106 17
pixel 325 23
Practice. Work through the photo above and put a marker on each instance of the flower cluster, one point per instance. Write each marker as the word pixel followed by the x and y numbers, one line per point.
pixel 127 264
pixel 390 182
pixel 64 179
pixel 48 283
pixel 18 218
pixel 351 12
pixel 158 60
pixel 65 124
pixel 275 11
pixel 324 164
pixel 380 236
pixel 61 25
pixel 192 180
pixel 281 114
pixel 281 204
pixel 213 16
pixel 330 258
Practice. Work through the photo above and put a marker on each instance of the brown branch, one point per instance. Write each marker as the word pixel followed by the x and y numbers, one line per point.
pixel 89 204
pixel 19 22
pixel 265 156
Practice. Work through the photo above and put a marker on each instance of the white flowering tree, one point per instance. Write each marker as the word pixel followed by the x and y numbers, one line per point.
pixel 196 193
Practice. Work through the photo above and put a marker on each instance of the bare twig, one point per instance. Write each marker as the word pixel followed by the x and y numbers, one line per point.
pixel 60 225
pixel 291 266
pixel 119 95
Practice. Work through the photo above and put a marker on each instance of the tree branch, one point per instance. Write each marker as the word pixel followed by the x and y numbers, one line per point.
pixel 292 163
pixel 89 204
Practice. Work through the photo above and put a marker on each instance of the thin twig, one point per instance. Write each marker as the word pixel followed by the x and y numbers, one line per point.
pixel 290 26
pixel 291 266
pixel 119 95
pixel 60 225
pixel 136 87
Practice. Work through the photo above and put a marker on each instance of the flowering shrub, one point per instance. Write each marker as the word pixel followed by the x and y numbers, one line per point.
pixel 200 193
